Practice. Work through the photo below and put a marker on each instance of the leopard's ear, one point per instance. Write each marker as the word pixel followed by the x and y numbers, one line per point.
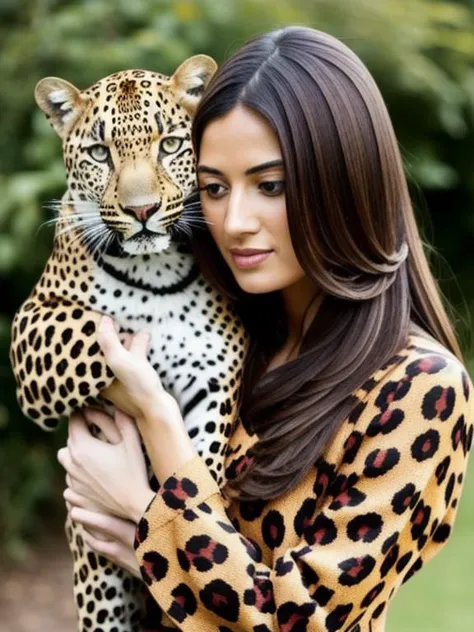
pixel 62 103
pixel 190 80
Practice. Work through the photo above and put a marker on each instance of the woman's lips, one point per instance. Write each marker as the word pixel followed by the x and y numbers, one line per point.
pixel 250 261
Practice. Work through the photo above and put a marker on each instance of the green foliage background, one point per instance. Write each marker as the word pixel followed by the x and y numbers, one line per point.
pixel 421 53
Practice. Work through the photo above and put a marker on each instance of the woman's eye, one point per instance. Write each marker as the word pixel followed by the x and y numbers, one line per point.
pixel 100 153
pixel 171 144
pixel 213 190
pixel 272 187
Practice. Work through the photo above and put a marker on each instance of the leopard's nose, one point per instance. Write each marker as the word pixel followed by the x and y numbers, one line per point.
pixel 142 213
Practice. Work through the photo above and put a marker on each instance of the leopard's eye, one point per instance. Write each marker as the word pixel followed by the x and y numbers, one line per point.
pixel 171 144
pixel 100 153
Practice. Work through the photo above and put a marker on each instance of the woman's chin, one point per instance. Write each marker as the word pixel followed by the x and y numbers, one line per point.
pixel 257 285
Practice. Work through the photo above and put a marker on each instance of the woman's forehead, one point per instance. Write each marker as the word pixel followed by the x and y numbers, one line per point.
pixel 242 137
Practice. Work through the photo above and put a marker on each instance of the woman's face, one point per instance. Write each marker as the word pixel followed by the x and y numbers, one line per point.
pixel 242 184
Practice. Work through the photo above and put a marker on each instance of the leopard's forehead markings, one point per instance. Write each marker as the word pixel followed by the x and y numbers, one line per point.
pixel 97 133
pixel 134 103
pixel 127 83
pixel 129 92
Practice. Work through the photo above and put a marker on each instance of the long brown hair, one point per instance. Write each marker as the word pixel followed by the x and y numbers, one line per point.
pixel 354 232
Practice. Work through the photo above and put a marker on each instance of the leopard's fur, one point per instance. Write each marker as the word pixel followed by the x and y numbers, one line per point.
pixel 118 250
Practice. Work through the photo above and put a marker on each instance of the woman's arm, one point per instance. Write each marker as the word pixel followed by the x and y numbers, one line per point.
pixel 137 390
pixel 108 487
pixel 112 537
pixel 389 509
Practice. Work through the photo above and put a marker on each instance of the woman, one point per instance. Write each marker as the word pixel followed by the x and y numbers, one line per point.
pixel 345 469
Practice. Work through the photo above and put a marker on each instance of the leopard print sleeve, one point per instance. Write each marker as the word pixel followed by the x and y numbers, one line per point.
pixel 366 524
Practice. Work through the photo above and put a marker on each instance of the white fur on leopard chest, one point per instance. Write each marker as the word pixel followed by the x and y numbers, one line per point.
pixel 164 294
pixel 130 288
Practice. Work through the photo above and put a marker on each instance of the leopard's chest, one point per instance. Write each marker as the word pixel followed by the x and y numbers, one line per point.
pixel 191 328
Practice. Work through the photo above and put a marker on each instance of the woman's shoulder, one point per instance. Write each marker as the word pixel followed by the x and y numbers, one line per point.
pixel 428 357
pixel 422 344
pixel 421 395
pixel 426 372
pixel 423 362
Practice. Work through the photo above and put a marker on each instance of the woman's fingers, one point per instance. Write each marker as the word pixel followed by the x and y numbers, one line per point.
pixel 107 548
pixel 75 499
pixel 73 484
pixel 128 428
pixel 64 458
pixel 137 385
pixel 79 434
pixel 127 366
pixel 118 553
pixel 140 343
pixel 75 476
pixel 112 527
pixel 105 422
pixel 116 356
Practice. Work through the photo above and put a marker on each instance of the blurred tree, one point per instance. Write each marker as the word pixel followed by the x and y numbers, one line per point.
pixel 421 53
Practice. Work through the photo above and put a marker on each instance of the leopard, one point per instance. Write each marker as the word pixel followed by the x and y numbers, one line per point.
pixel 122 247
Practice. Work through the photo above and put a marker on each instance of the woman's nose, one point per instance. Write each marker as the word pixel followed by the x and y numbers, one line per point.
pixel 240 215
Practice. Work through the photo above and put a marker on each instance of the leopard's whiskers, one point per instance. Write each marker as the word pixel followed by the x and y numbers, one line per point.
pixel 57 205
pixel 73 220
pixel 79 226
pixel 108 240
pixel 101 241
pixel 89 233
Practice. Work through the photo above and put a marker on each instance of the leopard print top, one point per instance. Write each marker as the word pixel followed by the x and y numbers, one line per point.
pixel 331 553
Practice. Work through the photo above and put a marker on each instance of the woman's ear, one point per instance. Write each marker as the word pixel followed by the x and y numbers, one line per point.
pixel 62 103
pixel 191 79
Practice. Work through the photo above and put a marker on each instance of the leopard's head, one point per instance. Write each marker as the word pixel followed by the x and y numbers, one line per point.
pixel 128 152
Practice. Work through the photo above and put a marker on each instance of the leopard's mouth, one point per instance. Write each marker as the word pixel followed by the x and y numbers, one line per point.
pixel 145 241
pixel 144 235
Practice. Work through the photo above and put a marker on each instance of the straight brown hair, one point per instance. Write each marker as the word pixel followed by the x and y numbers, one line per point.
pixel 354 233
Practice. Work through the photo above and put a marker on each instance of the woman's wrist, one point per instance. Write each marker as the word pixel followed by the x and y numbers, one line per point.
pixel 159 412
pixel 167 444
pixel 140 504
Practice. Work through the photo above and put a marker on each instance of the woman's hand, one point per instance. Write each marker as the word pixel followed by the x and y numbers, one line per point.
pixel 114 537
pixel 113 477
pixel 137 389
pixel 108 477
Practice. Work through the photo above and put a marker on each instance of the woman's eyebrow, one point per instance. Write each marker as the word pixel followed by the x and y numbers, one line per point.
pixel 211 170
pixel 264 166
pixel 252 170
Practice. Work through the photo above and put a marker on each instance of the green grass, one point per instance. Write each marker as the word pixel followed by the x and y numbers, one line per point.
pixel 440 597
